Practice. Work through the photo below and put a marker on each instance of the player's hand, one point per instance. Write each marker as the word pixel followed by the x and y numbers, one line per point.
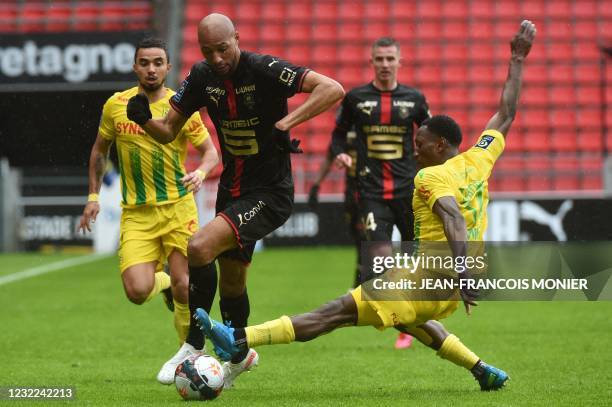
pixel 138 109
pixel 90 213
pixel 313 197
pixel 285 144
pixel 468 293
pixel 521 42
pixel 193 181
pixel 343 160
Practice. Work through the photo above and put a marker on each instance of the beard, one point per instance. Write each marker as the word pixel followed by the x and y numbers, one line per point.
pixel 151 87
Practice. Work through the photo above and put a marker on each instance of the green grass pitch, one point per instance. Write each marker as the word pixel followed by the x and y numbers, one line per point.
pixel 74 327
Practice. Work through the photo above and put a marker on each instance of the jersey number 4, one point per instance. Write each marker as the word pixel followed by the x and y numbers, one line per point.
pixel 240 142
pixel 369 223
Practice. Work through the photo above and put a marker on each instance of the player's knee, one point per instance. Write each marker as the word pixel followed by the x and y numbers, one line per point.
pixel 137 295
pixel 200 252
pixel 180 288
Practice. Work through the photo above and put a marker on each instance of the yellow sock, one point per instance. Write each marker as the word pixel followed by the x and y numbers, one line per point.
pixel 162 281
pixel 453 350
pixel 271 332
pixel 181 320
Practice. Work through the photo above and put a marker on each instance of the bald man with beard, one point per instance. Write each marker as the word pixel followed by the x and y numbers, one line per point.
pixel 245 95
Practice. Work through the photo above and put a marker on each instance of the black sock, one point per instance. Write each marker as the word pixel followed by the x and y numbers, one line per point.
pixel 478 369
pixel 202 290
pixel 236 311
pixel 240 339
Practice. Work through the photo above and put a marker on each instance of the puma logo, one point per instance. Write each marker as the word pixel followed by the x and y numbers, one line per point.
pixel 533 212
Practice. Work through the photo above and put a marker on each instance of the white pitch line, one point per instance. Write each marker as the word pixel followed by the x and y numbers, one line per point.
pixel 48 268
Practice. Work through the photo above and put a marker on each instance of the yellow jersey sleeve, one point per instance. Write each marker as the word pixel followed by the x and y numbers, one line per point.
pixel 488 149
pixel 195 131
pixel 431 184
pixel 106 129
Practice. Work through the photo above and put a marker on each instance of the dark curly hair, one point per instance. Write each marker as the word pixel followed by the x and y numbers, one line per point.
pixel 152 42
pixel 445 127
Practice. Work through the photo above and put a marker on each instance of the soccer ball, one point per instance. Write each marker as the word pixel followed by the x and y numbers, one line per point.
pixel 199 377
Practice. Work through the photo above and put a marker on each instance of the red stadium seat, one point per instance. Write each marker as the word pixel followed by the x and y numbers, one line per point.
pixel 480 30
pixel 428 9
pixel 559 51
pixel 425 75
pixel 374 31
pixel 247 11
pixel 484 96
pixel 58 17
pixel 272 32
pixel 350 32
pixel 588 95
pixel 481 52
pixel 455 53
pixel 325 11
pixel 586 51
pixel 562 118
pixel 589 118
pixel 564 140
pixel 350 76
pixel 454 74
pixel 588 73
pixel 584 9
pixel 585 30
pixel 403 9
pixel 350 11
pixel 561 73
pixel 352 54
pixel 324 54
pixel 428 53
pixel 298 32
pixel 403 32
pixel 604 9
pixel 433 95
pixel 454 9
pixel 428 30
pixel 273 11
pixel 509 9
pixel 454 96
pixel 299 54
pixel 481 74
pixel 534 119
pixel 559 8
pixel 377 10
pixel 534 9
pixel 325 32
pixel 562 95
pixel 451 29
pixel 300 11
pixel 481 10
pixel 590 139
pixel 558 30
pixel 535 96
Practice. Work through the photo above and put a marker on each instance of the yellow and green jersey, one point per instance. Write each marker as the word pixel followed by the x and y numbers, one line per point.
pixel 463 177
pixel 150 171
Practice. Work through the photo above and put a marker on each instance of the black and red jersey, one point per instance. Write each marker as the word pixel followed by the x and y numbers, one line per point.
pixel 244 108
pixel 384 123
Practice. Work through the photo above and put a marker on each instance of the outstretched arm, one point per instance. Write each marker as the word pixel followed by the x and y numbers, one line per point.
pixel 520 46
pixel 455 231
pixel 324 92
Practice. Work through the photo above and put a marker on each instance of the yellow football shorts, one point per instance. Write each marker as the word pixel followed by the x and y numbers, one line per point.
pixel 386 314
pixel 151 233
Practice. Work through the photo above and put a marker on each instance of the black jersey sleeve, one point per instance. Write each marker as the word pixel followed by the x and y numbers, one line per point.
pixel 282 75
pixel 189 98
pixel 344 123
pixel 423 112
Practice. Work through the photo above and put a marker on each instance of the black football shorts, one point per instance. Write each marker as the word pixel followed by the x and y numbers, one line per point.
pixel 252 217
